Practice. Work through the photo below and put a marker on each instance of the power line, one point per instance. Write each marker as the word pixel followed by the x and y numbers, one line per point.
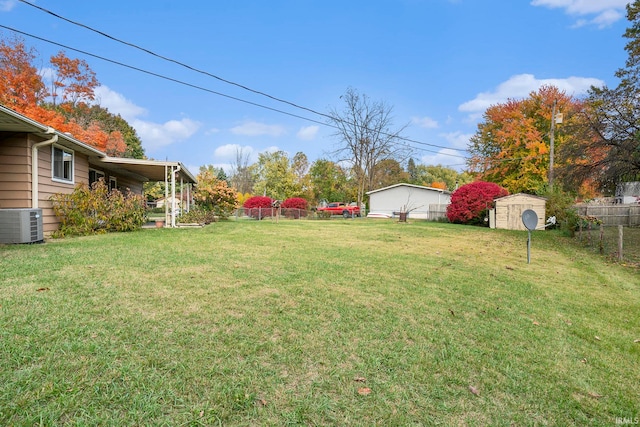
pixel 150 52
pixel 162 76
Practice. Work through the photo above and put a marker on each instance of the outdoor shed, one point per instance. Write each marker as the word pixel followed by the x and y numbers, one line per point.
pixel 420 202
pixel 507 211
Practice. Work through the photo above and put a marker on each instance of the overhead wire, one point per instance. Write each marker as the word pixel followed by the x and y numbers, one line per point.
pixel 236 98
pixel 244 87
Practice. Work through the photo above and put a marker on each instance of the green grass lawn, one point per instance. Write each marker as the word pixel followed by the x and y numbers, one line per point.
pixel 345 322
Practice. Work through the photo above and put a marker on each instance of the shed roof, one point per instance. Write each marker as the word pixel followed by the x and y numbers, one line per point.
pixel 510 196
pixel 404 184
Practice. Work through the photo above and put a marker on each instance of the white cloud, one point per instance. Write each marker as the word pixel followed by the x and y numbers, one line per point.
pixel 521 85
pixel 153 135
pixel 271 149
pixel 7 5
pixel 606 11
pixel 228 152
pixel 117 103
pixel 424 122
pixel 457 139
pixel 156 135
pixel 445 157
pixel 307 133
pixel 251 128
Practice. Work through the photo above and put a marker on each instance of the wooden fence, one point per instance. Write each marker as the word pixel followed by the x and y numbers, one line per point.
pixel 613 215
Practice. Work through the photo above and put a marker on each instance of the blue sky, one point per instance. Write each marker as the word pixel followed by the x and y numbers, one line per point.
pixel 438 63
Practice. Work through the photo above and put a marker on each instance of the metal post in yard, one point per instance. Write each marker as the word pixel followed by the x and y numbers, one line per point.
pixel 620 241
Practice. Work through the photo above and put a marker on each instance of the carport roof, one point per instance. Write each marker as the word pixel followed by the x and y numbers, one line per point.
pixel 153 170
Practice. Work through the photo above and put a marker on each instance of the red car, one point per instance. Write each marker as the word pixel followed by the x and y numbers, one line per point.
pixel 338 208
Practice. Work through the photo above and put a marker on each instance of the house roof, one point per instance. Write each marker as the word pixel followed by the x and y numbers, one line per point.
pixel 404 184
pixel 12 121
pixel 144 170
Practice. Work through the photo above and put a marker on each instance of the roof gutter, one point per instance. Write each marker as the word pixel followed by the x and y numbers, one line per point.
pixel 34 164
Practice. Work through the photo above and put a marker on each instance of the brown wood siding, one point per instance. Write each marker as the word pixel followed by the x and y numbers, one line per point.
pixel 127 183
pixel 48 186
pixel 15 171
pixel 509 211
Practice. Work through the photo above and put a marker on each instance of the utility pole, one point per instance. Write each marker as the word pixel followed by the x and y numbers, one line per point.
pixel 551 143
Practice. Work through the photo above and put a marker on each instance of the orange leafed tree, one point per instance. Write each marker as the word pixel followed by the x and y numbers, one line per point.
pixel 74 78
pixel 512 144
pixel 23 90
pixel 20 83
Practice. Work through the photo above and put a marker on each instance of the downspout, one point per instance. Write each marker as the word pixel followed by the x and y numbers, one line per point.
pixel 34 165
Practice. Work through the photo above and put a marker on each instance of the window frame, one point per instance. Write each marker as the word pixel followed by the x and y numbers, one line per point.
pixel 71 153
pixel 99 174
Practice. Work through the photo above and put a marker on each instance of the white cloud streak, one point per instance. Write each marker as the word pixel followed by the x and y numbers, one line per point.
pixel 606 11
pixel 308 133
pixel 7 5
pixel 424 122
pixel 251 128
pixel 521 85
pixel 153 135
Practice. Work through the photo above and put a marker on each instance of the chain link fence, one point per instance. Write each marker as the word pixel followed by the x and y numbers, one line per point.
pixel 620 243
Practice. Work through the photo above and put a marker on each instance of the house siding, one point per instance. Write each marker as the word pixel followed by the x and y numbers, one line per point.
pixel 15 164
pixel 48 187
pixel 420 201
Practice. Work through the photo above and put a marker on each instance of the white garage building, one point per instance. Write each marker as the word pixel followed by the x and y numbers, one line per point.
pixel 420 202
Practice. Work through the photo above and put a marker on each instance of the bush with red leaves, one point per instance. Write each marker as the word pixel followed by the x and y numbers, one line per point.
pixel 294 207
pixel 259 207
pixel 469 203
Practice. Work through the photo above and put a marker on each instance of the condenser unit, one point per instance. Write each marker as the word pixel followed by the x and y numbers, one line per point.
pixel 21 226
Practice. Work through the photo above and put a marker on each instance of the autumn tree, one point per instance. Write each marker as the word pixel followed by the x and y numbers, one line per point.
pixel 217 172
pixel 214 195
pixel 470 203
pixel 20 84
pixel 428 174
pixel 275 176
pixel 23 89
pixel 241 176
pixel 388 172
pixel 511 145
pixel 73 80
pixel 300 166
pixel 328 181
pixel 85 115
pixel 609 151
pixel 367 136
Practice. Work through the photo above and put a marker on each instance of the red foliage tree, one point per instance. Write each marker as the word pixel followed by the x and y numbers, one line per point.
pixel 295 203
pixel 470 202
pixel 294 207
pixel 258 207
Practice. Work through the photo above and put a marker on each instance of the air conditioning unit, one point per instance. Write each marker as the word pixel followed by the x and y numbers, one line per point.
pixel 21 226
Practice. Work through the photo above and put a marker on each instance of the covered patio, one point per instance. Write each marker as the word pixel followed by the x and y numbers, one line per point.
pixel 173 174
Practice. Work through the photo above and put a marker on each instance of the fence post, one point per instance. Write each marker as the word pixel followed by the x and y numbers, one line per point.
pixel 620 240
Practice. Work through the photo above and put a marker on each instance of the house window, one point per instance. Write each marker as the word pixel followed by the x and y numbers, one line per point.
pixel 113 183
pixel 95 176
pixel 62 164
